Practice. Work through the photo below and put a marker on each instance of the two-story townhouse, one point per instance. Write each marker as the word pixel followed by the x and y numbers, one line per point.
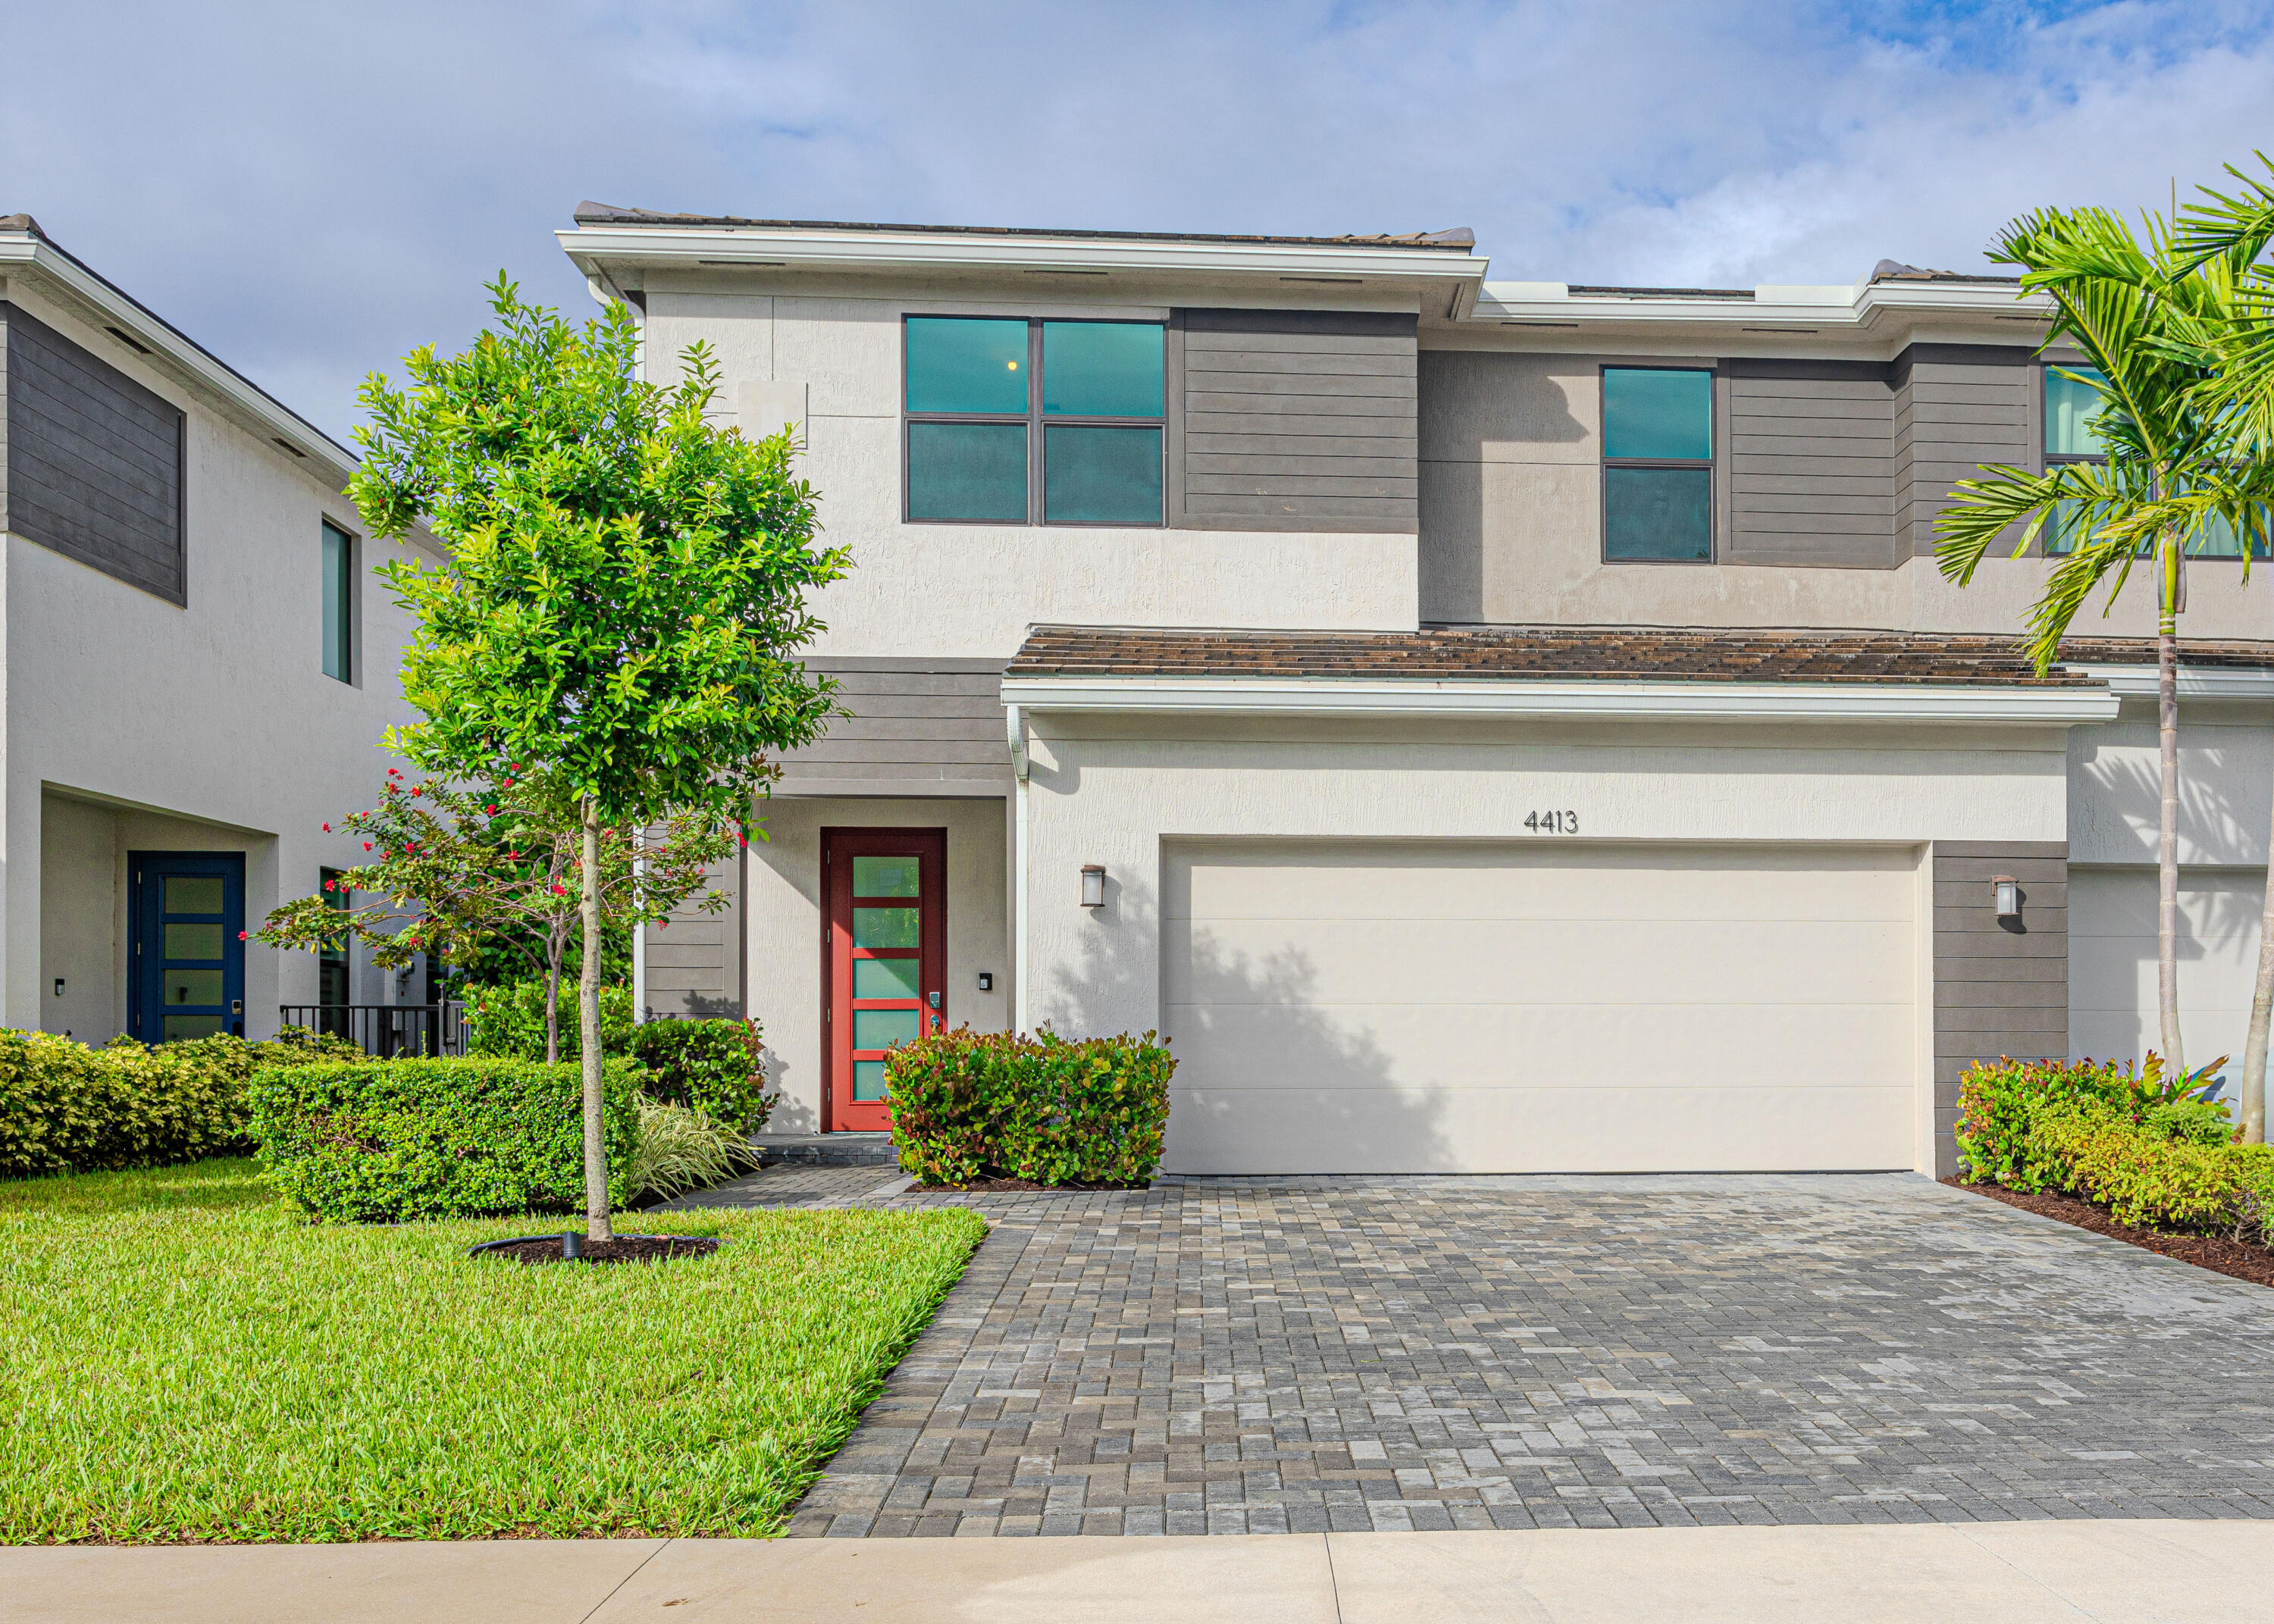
pixel 199 668
pixel 1486 726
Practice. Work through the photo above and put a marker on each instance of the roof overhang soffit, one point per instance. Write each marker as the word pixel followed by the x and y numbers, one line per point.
pixel 1611 699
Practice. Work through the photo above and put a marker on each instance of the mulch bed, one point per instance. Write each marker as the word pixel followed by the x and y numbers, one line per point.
pixel 2216 1252
pixel 983 1186
pixel 622 1249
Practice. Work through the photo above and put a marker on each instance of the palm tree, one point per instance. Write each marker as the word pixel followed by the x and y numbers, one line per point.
pixel 2155 323
pixel 2233 232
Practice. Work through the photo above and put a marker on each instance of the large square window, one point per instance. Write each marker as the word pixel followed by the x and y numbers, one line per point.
pixel 1658 464
pixel 1096 475
pixel 974 472
pixel 1015 421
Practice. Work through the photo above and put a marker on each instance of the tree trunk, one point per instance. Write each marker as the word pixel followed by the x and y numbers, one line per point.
pixel 2168 857
pixel 2261 1014
pixel 588 1029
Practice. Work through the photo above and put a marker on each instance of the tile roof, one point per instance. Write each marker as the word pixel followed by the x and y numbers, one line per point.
pixel 1459 239
pixel 1675 654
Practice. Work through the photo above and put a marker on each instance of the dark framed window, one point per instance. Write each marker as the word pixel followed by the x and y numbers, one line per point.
pixel 1017 421
pixel 339 603
pixel 1658 464
pixel 332 958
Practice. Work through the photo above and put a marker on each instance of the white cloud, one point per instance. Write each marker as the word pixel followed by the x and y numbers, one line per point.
pixel 311 190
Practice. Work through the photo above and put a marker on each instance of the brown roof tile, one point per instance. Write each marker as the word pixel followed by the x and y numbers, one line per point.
pixel 1708 655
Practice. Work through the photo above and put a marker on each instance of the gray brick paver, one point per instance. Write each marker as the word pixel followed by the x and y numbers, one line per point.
pixel 1228 1355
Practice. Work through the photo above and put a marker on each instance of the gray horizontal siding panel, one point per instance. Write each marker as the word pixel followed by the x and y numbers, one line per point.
pixel 1199 442
pixel 94 460
pixel 1811 450
pixel 1336 323
pixel 1298 484
pixel 1959 408
pixel 2001 986
pixel 1259 391
pixel 1293 420
pixel 915 724
pixel 1238 363
pixel 1367 425
pixel 1217 504
pixel 1258 464
pixel 1202 344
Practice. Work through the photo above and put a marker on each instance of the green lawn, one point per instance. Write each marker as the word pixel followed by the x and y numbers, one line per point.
pixel 181 1358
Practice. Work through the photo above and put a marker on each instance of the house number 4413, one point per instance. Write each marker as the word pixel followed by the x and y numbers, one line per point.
pixel 1553 823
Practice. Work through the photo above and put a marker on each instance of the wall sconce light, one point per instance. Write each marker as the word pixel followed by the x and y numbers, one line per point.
pixel 1093 886
pixel 2006 892
pixel 59 986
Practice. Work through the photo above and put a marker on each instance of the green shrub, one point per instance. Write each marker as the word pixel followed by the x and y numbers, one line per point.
pixel 2146 1178
pixel 970 1105
pixel 1999 1101
pixel 718 1066
pixel 509 1021
pixel 2191 1122
pixel 684 1147
pixel 67 1108
pixel 379 1141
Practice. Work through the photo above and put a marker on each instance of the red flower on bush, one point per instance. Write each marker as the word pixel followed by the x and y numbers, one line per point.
pixel 491 810
pixel 327 829
pixel 331 885
pixel 243 936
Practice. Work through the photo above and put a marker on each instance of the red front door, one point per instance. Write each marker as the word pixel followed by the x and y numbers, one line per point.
pixel 884 965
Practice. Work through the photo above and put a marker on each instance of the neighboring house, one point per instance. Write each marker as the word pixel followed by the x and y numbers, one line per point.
pixel 198 671
pixel 1485 726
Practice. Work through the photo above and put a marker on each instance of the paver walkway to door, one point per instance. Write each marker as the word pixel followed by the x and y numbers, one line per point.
pixel 1238 1355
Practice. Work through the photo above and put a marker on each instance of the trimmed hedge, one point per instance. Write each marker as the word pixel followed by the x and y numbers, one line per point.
pixel 383 1140
pixel 970 1105
pixel 717 1066
pixel 2144 1145
pixel 509 1021
pixel 67 1108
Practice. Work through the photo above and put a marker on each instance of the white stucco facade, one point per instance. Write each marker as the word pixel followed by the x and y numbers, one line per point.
pixel 134 723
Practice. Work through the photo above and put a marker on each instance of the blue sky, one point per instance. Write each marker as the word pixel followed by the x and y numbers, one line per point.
pixel 311 191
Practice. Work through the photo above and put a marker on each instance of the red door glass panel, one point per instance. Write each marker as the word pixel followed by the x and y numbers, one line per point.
pixel 883 969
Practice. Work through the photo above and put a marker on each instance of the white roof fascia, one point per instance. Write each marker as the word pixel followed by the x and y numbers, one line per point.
pixel 1814 308
pixel 594 246
pixel 56 275
pixel 2196 682
pixel 1669 701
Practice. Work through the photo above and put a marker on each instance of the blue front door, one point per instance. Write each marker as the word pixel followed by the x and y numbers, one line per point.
pixel 189 951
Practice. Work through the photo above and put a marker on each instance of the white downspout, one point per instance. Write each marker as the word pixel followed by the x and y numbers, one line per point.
pixel 1016 722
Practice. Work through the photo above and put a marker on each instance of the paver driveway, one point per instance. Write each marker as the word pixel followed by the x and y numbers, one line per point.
pixel 1235 1356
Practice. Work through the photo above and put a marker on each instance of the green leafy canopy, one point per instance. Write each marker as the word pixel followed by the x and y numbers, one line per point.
pixel 626 588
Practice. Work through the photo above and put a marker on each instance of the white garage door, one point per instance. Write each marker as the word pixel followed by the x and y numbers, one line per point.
pixel 2111 958
pixel 1396 1007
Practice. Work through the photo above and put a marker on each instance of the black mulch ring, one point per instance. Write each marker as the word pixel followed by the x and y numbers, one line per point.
pixel 622 1249
pixel 983 1184
pixel 2221 1254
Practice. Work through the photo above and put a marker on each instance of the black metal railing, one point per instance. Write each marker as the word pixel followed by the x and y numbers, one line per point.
pixel 386 1030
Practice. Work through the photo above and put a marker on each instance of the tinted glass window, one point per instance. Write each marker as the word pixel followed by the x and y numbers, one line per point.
pixel 1101 476
pixel 1660 514
pixel 972 472
pixel 1667 415
pixel 961 364
pixel 2071 403
pixel 1101 369
pixel 339 596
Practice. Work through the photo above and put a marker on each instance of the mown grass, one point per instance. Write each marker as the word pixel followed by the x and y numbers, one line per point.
pixel 183 1358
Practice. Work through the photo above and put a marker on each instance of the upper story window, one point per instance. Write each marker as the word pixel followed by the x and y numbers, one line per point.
pixel 1017 422
pixel 1658 464
pixel 2074 399
pixel 339 603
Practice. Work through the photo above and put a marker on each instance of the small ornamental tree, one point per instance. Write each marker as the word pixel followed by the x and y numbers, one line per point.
pixel 453 871
pixel 625 599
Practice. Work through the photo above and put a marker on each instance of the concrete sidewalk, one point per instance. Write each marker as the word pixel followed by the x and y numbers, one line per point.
pixel 2171 1572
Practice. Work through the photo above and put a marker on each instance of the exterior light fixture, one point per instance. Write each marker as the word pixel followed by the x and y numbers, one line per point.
pixel 1093 886
pixel 2007 892
pixel 59 986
